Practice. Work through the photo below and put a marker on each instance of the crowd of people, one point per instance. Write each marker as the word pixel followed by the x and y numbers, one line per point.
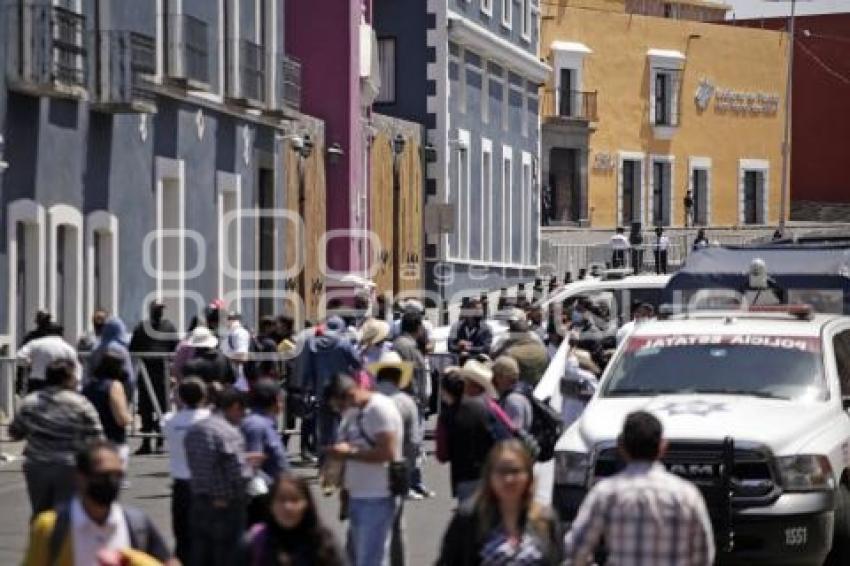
pixel 361 390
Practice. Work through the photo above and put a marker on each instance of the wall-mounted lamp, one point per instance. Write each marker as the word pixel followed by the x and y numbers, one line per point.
pixel 430 153
pixel 398 144
pixel 335 152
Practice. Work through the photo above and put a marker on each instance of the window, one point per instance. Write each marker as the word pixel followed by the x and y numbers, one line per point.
pixel 462 204
pixel 665 94
pixel 506 96
pixel 525 211
pixel 66 292
pixel 487 7
pixel 753 191
pixel 265 242
pixel 841 347
pixel 229 237
pixel 507 204
pixel 630 183
pixel 485 93
pixel 507 13
pixel 386 66
pixel 170 263
pixel 525 17
pixel 486 200
pixel 662 184
pixel 565 98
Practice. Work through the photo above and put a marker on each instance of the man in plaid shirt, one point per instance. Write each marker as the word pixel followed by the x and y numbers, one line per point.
pixel 645 514
pixel 215 453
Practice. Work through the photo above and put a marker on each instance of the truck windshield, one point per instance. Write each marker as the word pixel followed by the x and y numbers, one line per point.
pixel 779 367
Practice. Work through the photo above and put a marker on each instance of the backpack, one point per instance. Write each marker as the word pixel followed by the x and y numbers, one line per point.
pixel 503 428
pixel 546 427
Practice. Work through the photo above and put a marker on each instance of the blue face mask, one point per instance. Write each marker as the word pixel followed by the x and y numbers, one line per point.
pixel 577 317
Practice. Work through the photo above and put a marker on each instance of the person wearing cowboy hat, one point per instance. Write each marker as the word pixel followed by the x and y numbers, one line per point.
pixel 208 362
pixel 393 376
pixel 468 430
pixel 373 340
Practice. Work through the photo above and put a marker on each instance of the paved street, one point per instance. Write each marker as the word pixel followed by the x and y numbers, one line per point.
pixel 150 489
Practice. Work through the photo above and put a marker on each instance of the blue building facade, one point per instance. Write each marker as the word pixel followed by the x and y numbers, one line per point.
pixel 472 80
pixel 144 150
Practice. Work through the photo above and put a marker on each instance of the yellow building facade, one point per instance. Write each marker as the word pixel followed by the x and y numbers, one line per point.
pixel 658 120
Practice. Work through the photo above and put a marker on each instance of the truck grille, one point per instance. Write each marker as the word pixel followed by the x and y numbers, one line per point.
pixel 752 481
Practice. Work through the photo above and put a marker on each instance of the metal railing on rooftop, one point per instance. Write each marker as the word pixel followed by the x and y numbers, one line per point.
pixel 126 65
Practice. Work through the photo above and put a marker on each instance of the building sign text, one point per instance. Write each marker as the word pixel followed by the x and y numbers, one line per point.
pixel 728 100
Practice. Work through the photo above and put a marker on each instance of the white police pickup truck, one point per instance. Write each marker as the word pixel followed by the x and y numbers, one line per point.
pixel 752 406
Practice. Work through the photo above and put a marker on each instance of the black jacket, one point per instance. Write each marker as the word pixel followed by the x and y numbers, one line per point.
pixel 469 439
pixel 463 540
pixel 210 365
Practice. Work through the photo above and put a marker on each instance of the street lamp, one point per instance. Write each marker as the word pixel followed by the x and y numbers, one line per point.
pixel 786 134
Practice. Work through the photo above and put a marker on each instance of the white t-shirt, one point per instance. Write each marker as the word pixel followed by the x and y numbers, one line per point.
pixel 366 480
pixel 619 242
pixel 237 341
pixel 89 538
pixel 174 427
pixel 662 243
pixel 41 352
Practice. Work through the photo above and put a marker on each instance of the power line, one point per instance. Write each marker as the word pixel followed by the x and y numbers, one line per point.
pixel 822 64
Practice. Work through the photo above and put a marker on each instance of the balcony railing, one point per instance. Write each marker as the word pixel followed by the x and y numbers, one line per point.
pixel 291 77
pixel 570 104
pixel 188 50
pixel 46 49
pixel 125 68
pixel 252 71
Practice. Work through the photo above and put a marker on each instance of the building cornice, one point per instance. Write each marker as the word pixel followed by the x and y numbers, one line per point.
pixel 493 47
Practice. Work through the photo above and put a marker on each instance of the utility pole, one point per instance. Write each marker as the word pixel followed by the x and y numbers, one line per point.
pixel 786 142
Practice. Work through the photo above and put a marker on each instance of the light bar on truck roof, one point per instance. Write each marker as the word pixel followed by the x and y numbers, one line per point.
pixel 802 311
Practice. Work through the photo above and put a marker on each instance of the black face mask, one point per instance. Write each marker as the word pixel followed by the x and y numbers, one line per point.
pixel 103 489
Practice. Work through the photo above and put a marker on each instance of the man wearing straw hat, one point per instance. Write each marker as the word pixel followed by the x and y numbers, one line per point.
pixel 373 340
pixel 468 430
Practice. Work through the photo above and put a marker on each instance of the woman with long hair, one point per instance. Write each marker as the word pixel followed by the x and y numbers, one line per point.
pixel 502 524
pixel 292 534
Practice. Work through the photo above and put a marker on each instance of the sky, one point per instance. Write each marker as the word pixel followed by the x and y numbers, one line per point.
pixel 763 8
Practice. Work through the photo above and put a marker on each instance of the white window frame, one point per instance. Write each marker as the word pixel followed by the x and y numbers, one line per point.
pixel 507 14
pixel 526 180
pixel 462 79
pixel 229 184
pixel 631 156
pixel 671 161
pixel 63 215
pixel 506 103
pixel 661 60
pixel 762 166
pixel 485 92
pixel 487 201
pixel 568 55
pixel 33 215
pixel 106 224
pixel 166 169
pixel 525 108
pixel 701 164
pixel 507 204
pixel 463 209
pixel 487 7
pixel 526 20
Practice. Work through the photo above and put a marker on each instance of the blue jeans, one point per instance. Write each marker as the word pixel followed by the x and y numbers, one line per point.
pixel 369 530
pixel 466 489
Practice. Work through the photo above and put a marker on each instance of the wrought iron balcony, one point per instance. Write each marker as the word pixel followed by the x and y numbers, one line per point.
pixel 187 55
pixel 126 63
pixel 291 76
pixel 570 105
pixel 46 50
pixel 252 72
pixel 286 98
